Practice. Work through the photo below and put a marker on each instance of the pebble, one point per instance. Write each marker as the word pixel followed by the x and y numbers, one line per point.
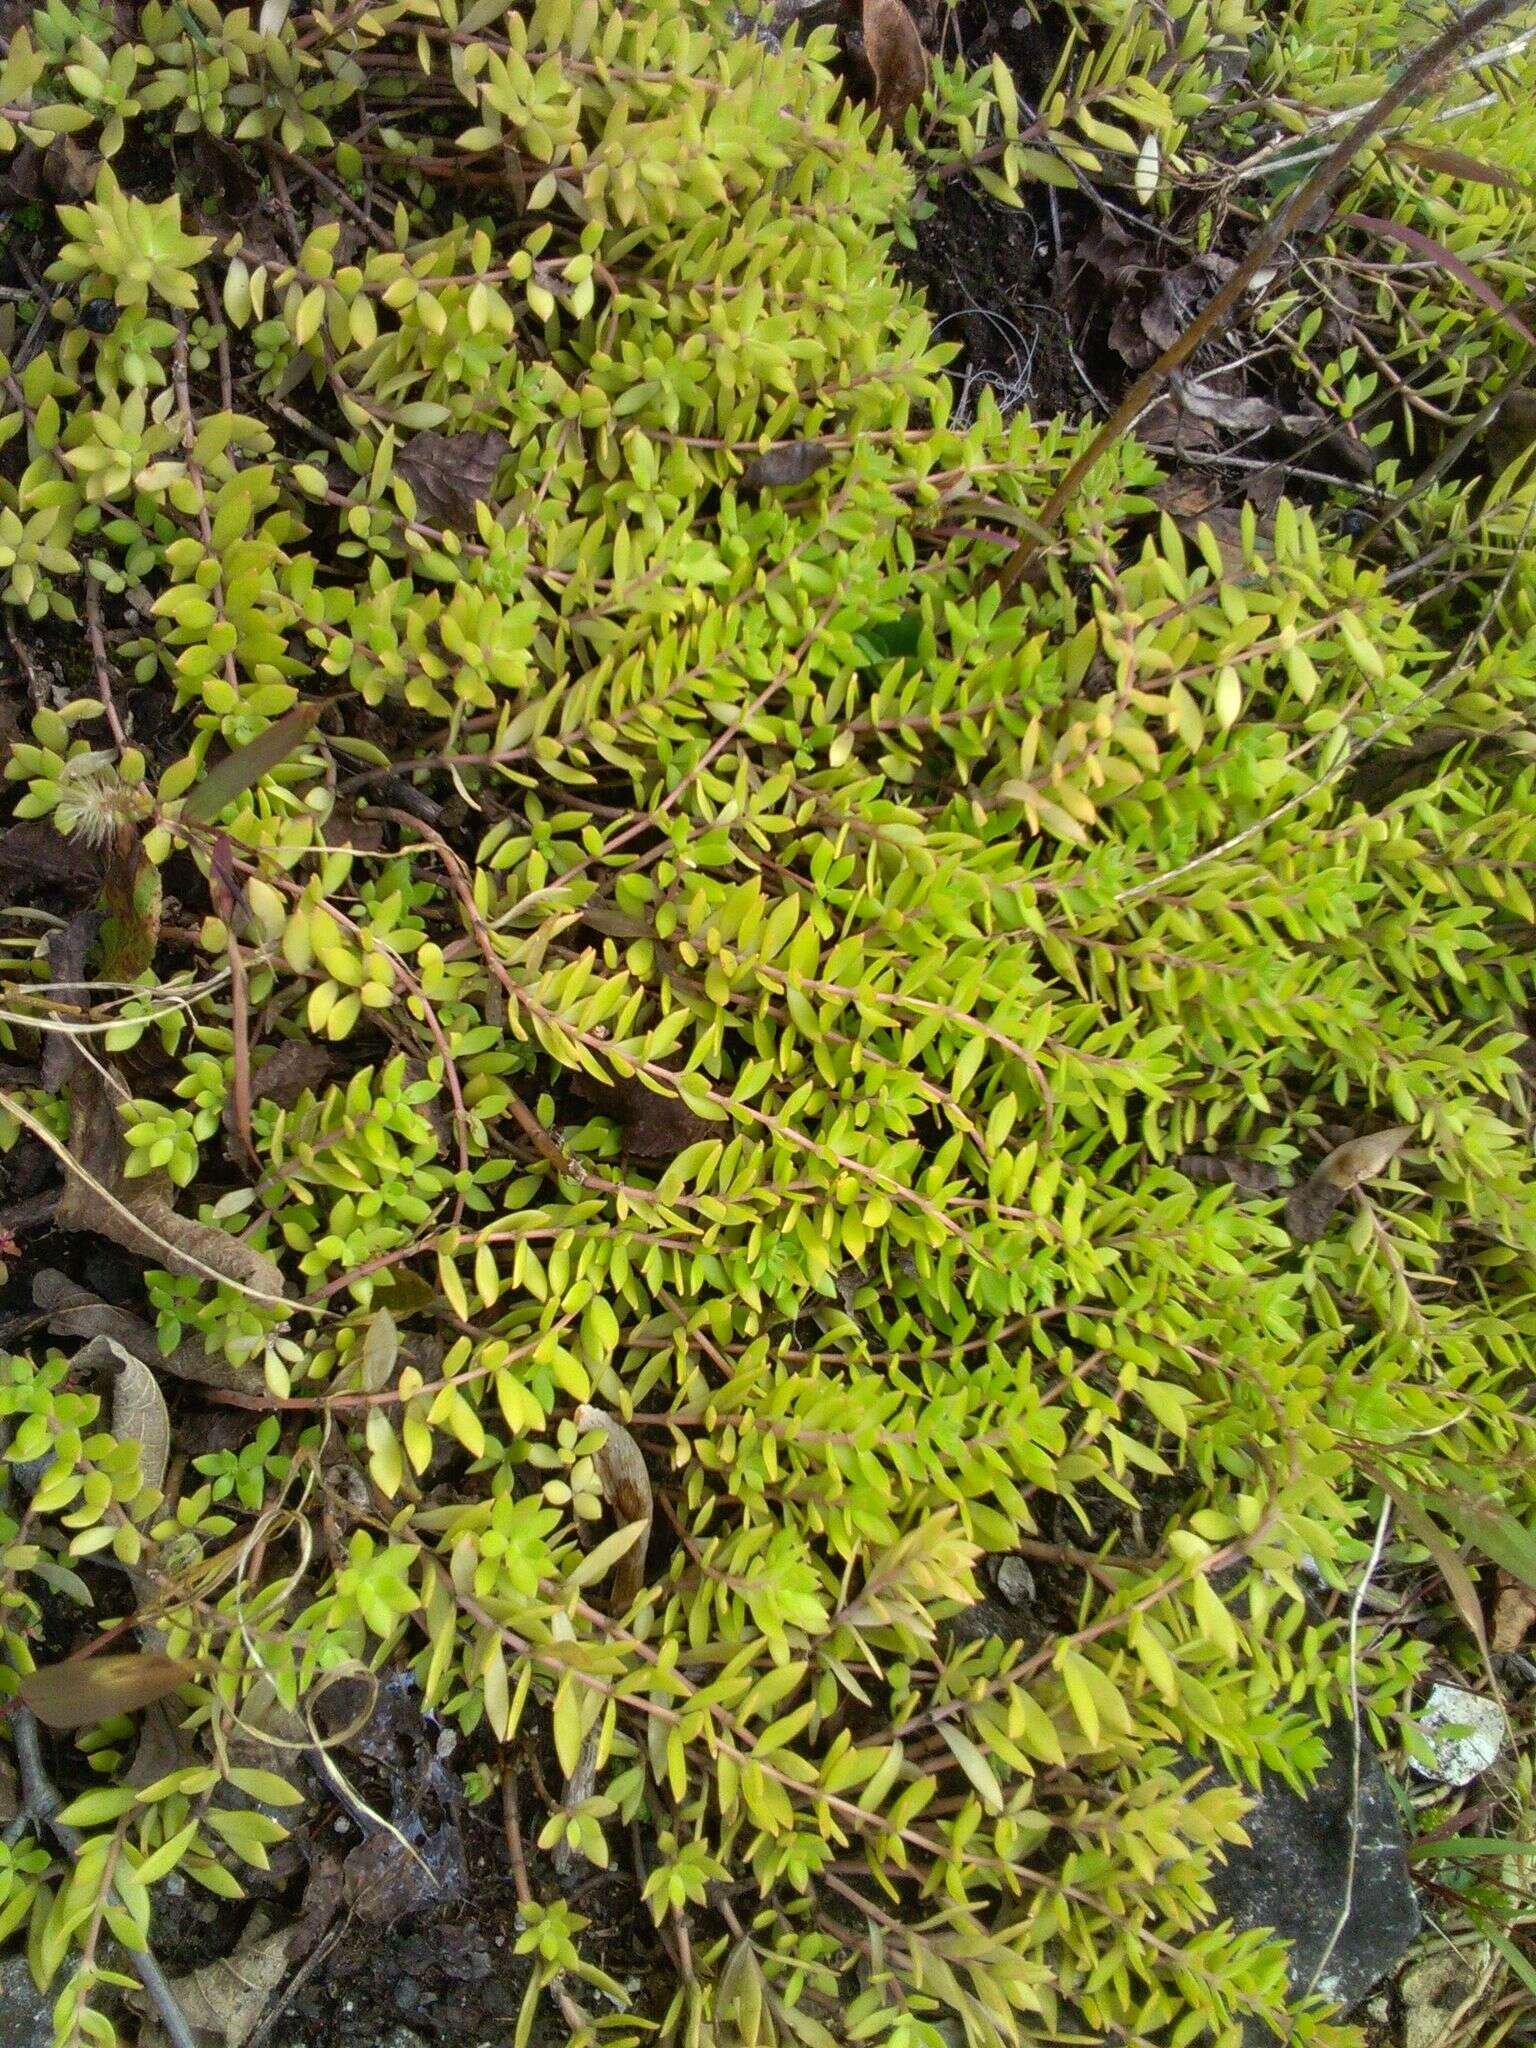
pixel 1015 1581
pixel 1465 1733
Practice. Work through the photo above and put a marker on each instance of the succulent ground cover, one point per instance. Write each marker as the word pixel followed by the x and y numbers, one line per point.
pixel 620 1080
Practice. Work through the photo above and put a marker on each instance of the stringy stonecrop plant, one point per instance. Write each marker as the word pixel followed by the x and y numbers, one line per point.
pixel 947 927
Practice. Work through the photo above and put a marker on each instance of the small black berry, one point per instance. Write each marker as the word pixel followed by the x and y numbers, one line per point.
pixel 99 315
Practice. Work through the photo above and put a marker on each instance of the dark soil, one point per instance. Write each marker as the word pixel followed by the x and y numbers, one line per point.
pixel 411 1946
pixel 988 270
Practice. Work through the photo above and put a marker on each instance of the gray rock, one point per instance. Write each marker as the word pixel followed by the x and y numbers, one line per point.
pixel 1015 1581
pixel 1465 1732
pixel 26 2014
pixel 1295 1877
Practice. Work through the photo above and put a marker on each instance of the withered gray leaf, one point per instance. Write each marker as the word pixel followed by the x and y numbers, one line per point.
pixel 387 1877
pixel 139 1413
pixel 1250 1176
pixel 1238 415
pixel 788 462
pixel 450 474
pixel 227 1998
pixel 68 948
pixel 73 1311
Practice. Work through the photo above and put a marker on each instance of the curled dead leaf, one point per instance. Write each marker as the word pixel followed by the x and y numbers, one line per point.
pixel 84 1690
pixel 896 57
pixel 788 462
pixel 139 1413
pixel 1348 1166
pixel 226 1999
pixel 626 1485
pixel 1360 1159
pixel 1227 409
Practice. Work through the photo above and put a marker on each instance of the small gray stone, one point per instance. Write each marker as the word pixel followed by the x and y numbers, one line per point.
pixel 1465 1732
pixel 1015 1581
pixel 1295 1876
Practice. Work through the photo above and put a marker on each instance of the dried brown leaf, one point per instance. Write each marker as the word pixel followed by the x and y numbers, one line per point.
pixel 896 57
pixel 35 854
pixel 244 768
pixel 1513 1612
pixel 299 1064
pixel 788 462
pixel 85 1690
pixel 450 474
pixel 137 1214
pixel 159 1750
pixel 1308 1208
pixel 63 170
pixel 655 1126
pixel 1186 494
pixel 226 1999
pixel 73 1311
